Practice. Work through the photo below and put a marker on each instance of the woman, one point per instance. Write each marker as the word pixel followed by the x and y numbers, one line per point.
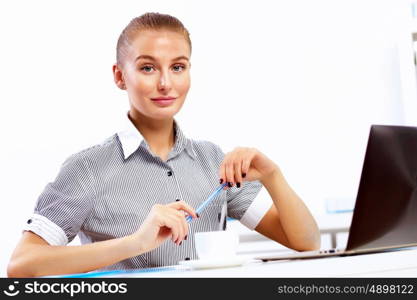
pixel 127 198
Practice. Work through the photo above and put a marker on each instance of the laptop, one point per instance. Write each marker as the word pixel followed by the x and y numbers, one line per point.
pixel 385 213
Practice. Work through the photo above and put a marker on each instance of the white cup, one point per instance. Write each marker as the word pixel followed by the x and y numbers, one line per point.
pixel 216 244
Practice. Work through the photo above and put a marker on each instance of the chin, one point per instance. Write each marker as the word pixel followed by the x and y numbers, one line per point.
pixel 163 115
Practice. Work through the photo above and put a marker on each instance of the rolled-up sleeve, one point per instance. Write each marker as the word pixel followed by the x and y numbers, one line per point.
pixel 240 199
pixel 64 204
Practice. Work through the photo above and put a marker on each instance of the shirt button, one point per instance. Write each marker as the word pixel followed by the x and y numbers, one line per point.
pixel 29 221
pixel 187 258
pixel 169 173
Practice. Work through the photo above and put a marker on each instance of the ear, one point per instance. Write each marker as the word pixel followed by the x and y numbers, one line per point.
pixel 118 77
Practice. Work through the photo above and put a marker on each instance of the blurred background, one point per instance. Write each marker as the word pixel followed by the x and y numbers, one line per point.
pixel 301 80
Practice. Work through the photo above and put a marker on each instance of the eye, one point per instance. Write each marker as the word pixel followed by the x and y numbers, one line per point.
pixel 147 69
pixel 178 68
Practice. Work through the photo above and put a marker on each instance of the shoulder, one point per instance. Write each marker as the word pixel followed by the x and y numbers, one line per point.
pixel 93 153
pixel 207 149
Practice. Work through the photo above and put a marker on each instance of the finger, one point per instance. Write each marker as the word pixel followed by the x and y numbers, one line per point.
pixel 181 234
pixel 182 230
pixel 184 226
pixel 173 219
pixel 245 166
pixel 170 221
pixel 185 213
pixel 181 205
pixel 237 166
pixel 230 178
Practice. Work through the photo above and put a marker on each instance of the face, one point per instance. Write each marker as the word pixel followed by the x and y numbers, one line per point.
pixel 155 74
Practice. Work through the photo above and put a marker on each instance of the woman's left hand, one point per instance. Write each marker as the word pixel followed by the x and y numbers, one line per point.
pixel 245 164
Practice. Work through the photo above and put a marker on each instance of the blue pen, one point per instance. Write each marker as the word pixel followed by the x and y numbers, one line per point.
pixel 206 202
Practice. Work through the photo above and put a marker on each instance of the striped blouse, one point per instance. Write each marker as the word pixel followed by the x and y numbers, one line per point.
pixel 107 190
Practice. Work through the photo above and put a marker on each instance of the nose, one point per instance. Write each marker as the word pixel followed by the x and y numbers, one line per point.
pixel 164 81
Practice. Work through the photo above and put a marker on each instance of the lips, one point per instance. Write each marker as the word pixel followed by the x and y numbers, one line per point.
pixel 163 101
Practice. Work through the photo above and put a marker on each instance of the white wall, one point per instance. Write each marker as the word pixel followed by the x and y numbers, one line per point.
pixel 300 80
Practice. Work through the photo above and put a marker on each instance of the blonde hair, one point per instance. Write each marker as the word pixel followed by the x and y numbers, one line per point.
pixel 148 21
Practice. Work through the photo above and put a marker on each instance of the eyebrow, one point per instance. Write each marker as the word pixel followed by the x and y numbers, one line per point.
pixel 152 58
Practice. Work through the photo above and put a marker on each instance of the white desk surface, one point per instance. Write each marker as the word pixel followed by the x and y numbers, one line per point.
pixel 389 264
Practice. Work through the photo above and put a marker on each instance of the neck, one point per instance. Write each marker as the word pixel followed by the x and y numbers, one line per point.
pixel 159 134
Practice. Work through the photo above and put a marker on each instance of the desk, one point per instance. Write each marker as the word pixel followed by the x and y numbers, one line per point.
pixel 389 264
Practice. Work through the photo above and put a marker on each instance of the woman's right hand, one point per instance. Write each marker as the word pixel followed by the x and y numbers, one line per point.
pixel 34 257
pixel 163 222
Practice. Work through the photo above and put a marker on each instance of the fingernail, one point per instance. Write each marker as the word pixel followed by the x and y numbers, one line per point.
pixel 186 237
pixel 230 184
pixel 221 180
pixel 180 244
pixel 198 216
pixel 238 184
pixel 243 175
pixel 177 199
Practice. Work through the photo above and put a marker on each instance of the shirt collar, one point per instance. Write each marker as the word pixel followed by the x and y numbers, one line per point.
pixel 131 139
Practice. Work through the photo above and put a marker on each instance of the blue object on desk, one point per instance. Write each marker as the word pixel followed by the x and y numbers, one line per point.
pixel 120 273
pixel 206 202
